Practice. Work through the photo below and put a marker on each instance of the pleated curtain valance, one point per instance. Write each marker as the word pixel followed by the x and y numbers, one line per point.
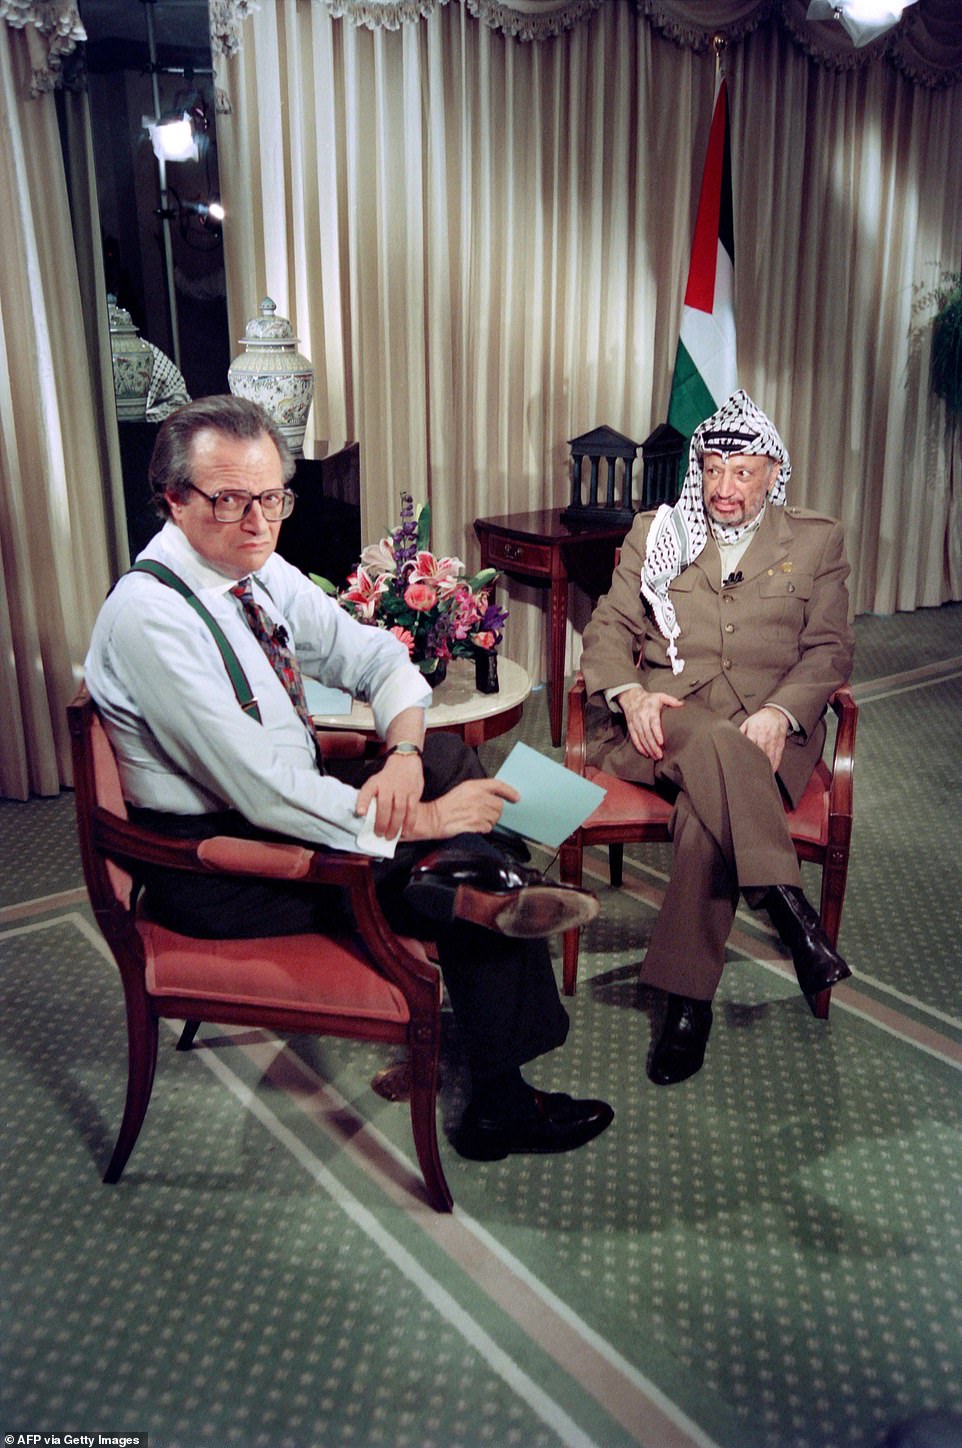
pixel 53 30
pixel 926 45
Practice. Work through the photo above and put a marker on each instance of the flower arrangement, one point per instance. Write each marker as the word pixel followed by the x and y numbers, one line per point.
pixel 428 602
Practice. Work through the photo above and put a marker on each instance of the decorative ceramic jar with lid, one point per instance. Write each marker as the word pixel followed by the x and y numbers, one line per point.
pixel 272 372
pixel 132 364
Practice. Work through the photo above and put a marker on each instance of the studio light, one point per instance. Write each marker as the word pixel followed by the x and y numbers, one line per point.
pixel 183 132
pixel 172 138
pixel 210 214
pixel 207 211
pixel 862 20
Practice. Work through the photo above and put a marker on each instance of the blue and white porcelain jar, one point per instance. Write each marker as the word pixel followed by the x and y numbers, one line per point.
pixel 272 372
pixel 132 364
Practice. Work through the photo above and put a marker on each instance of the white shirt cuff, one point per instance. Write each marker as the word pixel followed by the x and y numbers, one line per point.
pixel 793 725
pixel 611 696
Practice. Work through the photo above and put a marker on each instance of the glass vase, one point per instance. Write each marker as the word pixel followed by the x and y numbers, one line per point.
pixel 486 671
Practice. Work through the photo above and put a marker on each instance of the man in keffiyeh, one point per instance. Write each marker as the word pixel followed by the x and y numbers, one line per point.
pixel 708 667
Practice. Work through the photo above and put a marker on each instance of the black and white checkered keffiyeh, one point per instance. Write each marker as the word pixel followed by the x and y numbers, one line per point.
pixel 677 535
pixel 167 390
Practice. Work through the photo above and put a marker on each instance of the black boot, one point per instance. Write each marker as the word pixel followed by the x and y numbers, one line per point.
pixel 496 892
pixel 818 964
pixel 681 1045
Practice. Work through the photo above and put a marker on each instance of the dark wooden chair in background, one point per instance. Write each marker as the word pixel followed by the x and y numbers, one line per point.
pixel 323 534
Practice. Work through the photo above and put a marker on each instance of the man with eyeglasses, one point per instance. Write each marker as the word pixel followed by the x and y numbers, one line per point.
pixel 199 756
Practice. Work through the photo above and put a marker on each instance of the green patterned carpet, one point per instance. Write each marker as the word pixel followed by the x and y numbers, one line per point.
pixel 769 1256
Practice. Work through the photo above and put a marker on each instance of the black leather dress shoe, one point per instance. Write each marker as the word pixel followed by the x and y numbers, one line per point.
pixel 496 892
pixel 818 964
pixel 680 1049
pixel 556 1123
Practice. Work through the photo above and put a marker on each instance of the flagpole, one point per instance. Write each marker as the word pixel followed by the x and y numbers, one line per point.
pixel 719 45
pixel 705 372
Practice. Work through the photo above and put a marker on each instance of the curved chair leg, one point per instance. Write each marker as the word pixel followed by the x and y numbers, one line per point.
pixel 834 874
pixel 424 1122
pixel 571 870
pixel 141 1064
pixel 570 950
pixel 187 1035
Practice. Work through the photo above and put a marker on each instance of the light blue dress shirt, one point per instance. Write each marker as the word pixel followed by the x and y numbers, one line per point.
pixel 183 743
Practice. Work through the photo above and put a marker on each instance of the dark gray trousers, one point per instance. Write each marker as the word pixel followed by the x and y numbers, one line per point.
pixel 502 991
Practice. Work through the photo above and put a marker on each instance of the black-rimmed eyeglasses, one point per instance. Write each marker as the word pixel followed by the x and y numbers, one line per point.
pixel 233 504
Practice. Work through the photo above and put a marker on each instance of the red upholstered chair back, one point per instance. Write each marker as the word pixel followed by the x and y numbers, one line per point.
pixel 108 794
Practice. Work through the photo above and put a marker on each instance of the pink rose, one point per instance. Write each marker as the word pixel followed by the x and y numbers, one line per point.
pixel 421 597
pixel 484 640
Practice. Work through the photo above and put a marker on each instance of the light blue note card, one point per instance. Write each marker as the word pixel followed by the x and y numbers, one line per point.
pixel 554 800
pixel 322 700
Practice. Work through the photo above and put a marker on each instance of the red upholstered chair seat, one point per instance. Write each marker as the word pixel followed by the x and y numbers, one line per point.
pixel 287 972
pixel 624 803
pixel 630 805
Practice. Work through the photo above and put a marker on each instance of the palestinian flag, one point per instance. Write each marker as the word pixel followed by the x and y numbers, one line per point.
pixel 705 368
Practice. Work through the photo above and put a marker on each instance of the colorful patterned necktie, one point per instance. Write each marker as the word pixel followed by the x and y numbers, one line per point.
pixel 273 640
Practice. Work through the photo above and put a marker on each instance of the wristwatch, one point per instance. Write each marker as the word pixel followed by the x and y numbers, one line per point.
pixel 405 746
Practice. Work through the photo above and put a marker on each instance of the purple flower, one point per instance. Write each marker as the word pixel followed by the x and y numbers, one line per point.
pixel 494 620
pixel 406 536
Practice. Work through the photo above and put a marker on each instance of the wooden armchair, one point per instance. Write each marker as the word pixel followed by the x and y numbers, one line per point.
pixel 821 826
pixel 367 985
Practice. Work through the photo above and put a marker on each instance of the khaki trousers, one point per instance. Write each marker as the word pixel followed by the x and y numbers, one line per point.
pixel 729 833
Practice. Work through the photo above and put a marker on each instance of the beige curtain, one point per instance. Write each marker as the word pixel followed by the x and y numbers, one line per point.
pixel 54 561
pixel 483 245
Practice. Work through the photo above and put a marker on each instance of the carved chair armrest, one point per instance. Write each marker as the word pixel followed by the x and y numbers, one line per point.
pixel 840 795
pixel 130 844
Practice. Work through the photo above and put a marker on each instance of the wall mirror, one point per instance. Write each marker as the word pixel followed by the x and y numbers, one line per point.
pixel 150 60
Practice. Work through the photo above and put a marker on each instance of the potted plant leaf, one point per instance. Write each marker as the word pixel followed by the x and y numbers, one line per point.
pixel 947 344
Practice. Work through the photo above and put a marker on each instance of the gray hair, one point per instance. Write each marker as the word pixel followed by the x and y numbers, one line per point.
pixel 171 464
